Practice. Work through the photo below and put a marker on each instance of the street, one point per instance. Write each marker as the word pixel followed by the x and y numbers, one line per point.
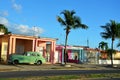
pixel 14 74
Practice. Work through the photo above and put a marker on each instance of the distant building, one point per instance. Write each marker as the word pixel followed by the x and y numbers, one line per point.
pixel 91 55
pixel 104 58
pixel 78 54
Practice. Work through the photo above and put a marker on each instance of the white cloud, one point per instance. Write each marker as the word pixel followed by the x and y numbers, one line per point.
pixel 26 30
pixel 37 30
pixel 16 6
pixel 4 21
pixel 4 13
pixel 21 28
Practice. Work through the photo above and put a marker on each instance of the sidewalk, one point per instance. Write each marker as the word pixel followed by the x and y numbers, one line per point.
pixel 73 66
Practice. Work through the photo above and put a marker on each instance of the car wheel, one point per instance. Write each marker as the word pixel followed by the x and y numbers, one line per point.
pixel 15 62
pixel 39 62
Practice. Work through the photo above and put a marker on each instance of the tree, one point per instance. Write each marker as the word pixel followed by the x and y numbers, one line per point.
pixel 3 29
pixel 103 45
pixel 111 31
pixel 70 21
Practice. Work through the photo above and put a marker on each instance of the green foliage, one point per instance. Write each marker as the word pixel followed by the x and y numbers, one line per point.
pixel 70 21
pixel 111 30
pixel 103 45
pixel 4 29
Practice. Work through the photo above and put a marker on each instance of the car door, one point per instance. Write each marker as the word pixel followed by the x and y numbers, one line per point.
pixel 33 57
pixel 26 58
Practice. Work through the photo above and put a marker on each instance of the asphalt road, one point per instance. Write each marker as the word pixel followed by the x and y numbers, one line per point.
pixel 14 74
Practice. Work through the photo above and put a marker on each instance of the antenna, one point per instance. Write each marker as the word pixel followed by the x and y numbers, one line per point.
pixel 87 42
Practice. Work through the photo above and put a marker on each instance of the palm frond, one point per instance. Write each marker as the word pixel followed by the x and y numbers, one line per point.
pixel 70 20
pixel 78 24
pixel 103 45
pixel 83 26
pixel 72 12
pixel 105 35
pixel 110 30
pixel 118 29
pixel 62 22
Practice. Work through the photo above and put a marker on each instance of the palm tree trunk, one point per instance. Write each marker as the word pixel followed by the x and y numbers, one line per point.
pixel 65 50
pixel 112 53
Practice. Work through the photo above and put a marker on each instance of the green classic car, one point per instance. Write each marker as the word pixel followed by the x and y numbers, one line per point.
pixel 27 57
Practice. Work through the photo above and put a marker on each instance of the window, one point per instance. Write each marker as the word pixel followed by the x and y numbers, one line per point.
pixel 28 54
pixel 38 55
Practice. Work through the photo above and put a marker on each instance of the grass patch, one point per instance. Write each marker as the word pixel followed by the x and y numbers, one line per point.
pixel 68 77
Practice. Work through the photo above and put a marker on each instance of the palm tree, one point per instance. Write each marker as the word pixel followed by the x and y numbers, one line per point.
pixel 3 29
pixel 103 45
pixel 70 21
pixel 111 31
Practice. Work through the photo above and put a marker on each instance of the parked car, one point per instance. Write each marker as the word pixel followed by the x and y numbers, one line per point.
pixel 27 57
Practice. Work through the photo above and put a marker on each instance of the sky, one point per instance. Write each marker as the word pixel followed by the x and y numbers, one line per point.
pixel 38 18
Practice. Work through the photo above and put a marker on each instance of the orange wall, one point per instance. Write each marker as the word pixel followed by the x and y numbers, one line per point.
pixel 41 43
pixel 28 45
pixel 116 55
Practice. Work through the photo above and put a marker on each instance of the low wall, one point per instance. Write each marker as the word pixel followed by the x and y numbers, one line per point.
pixel 109 61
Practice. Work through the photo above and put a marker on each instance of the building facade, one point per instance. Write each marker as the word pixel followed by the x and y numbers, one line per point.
pixel 78 54
pixel 12 43
pixel 104 57
pixel 74 54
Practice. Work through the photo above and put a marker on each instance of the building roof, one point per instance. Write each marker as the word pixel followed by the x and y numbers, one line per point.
pixel 28 37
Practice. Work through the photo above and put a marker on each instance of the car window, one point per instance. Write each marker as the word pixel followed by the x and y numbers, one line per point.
pixel 28 54
pixel 33 54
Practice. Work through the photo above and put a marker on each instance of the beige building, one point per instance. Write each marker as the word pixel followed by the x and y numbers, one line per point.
pixel 12 43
